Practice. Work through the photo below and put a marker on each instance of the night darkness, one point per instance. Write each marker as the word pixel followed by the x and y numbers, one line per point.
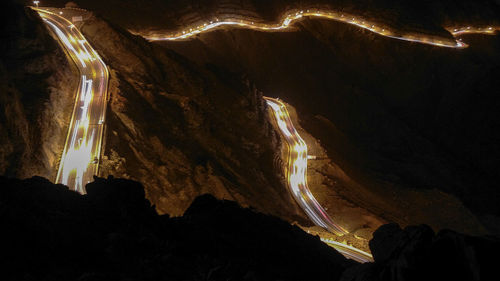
pixel 249 140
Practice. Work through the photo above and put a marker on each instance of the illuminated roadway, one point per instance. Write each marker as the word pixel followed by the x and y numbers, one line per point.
pixel 297 169
pixel 297 181
pixel 293 16
pixel 82 150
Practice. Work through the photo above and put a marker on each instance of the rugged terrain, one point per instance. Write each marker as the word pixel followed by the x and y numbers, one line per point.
pixel 403 131
pixel 36 95
pixel 185 130
pixel 412 127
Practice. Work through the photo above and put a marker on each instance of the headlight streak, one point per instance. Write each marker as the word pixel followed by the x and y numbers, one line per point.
pixel 297 182
pixel 82 150
pixel 84 141
pixel 294 16
pixel 349 251
pixel 297 170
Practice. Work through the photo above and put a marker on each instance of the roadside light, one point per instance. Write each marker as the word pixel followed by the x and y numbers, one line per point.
pixel 36 3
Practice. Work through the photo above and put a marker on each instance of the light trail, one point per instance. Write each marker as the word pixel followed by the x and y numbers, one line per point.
pixel 488 30
pixel 297 182
pixel 294 16
pixel 297 169
pixel 82 149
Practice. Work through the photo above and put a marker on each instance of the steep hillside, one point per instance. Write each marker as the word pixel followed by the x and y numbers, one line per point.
pixel 37 85
pixel 405 121
pixel 185 130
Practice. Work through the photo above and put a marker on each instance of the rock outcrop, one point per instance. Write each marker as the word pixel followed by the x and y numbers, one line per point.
pixel 412 128
pixel 183 129
pixel 114 233
pixel 37 84
pixel 417 253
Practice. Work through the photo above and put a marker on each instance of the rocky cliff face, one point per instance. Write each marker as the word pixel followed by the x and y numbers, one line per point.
pixel 36 95
pixel 405 129
pixel 412 127
pixel 185 129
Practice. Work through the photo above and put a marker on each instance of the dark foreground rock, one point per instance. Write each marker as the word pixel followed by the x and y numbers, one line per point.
pixel 113 233
pixel 417 253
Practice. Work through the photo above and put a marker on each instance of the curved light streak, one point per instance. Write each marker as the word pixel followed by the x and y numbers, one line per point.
pixel 293 16
pixel 82 150
pixel 487 30
pixel 297 182
pixel 80 159
pixel 297 169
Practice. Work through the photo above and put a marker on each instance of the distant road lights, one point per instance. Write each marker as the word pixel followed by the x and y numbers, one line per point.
pixel 60 12
pixel 36 3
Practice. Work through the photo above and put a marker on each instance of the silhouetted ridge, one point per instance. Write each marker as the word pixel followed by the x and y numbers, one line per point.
pixel 113 233
pixel 120 195
pixel 417 253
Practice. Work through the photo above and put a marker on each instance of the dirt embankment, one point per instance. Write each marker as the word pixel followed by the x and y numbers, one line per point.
pixel 36 95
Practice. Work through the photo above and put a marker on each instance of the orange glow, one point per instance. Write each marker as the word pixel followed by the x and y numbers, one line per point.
pixel 293 16
pixel 297 169
pixel 82 150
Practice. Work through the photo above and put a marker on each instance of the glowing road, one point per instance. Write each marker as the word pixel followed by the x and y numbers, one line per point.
pixel 293 16
pixel 297 182
pixel 297 169
pixel 82 150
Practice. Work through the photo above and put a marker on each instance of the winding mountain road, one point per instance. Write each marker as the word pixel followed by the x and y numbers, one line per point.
pixel 297 182
pixel 293 16
pixel 82 150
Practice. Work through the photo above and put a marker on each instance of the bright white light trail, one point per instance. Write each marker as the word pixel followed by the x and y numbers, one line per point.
pixel 297 169
pixel 82 150
pixel 294 16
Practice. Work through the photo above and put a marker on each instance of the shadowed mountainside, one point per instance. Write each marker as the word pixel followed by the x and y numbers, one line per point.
pixel 394 116
pixel 412 124
pixel 36 95
pixel 428 17
pixel 113 233
pixel 184 130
